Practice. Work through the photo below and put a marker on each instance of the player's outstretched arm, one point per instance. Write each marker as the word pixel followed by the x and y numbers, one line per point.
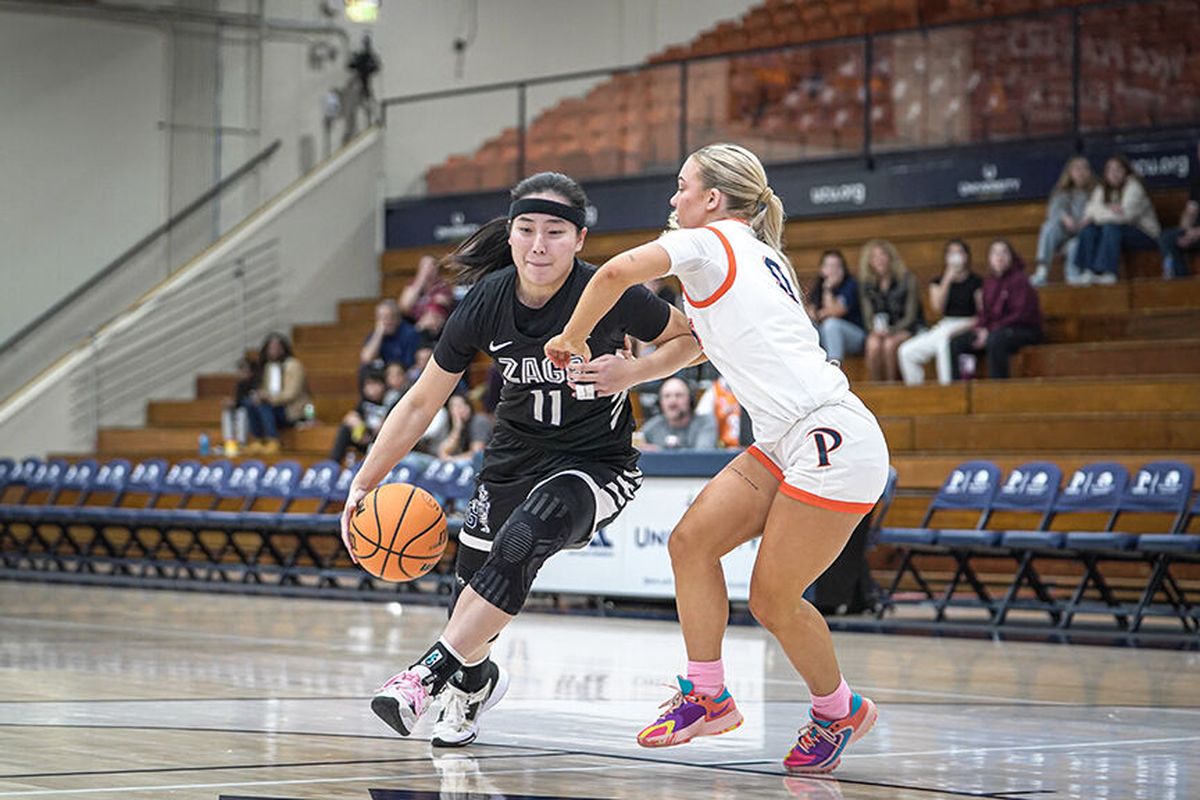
pixel 630 268
pixel 674 349
pixel 400 432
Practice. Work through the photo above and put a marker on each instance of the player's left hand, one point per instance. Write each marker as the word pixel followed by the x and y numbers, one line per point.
pixel 560 349
pixel 610 374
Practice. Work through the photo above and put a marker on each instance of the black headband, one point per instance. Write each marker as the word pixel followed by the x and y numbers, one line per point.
pixel 538 205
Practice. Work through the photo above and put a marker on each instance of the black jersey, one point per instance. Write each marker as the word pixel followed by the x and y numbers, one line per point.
pixel 537 409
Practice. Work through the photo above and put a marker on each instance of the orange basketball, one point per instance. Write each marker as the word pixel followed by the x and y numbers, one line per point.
pixel 398 532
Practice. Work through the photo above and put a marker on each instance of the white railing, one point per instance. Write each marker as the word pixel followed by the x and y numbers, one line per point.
pixel 289 262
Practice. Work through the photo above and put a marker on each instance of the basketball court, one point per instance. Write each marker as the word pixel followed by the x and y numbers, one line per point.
pixel 112 693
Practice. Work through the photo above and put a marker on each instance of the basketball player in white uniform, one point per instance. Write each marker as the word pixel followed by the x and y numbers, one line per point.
pixel 817 467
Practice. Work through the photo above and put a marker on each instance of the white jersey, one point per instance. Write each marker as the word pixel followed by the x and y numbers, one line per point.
pixel 747 314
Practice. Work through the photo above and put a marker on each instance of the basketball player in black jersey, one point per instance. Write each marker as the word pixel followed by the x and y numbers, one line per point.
pixel 560 463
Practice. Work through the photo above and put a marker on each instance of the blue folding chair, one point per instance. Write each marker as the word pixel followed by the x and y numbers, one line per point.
pixel 8 468
pixel 18 481
pixel 883 505
pixel 209 481
pixel 1030 489
pixel 971 486
pixel 78 480
pixel 47 478
pixel 240 486
pixel 319 485
pixel 112 479
pixel 179 483
pixel 1164 487
pixel 148 478
pixel 460 489
pixel 342 488
pixel 1093 488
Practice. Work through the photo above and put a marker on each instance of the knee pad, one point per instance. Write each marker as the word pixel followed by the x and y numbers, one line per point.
pixel 555 515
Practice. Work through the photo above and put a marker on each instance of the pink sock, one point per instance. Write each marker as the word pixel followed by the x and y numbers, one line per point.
pixel 707 676
pixel 833 706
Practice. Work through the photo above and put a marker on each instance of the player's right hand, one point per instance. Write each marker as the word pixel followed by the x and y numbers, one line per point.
pixel 353 498
pixel 560 349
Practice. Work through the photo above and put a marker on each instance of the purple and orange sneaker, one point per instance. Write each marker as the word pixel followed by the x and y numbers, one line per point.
pixel 690 714
pixel 821 742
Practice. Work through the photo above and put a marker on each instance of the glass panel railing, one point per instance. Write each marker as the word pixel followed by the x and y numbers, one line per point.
pixel 1131 65
pixel 785 105
pixel 451 133
pixel 972 84
pixel 1139 65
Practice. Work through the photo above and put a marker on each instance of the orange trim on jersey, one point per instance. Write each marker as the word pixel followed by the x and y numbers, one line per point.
pixel 824 502
pixel 729 276
pixel 766 461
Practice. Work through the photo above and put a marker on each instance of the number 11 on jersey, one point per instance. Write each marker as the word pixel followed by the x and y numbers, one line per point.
pixel 539 405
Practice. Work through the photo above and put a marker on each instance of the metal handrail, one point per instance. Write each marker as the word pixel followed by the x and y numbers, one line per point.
pixel 113 267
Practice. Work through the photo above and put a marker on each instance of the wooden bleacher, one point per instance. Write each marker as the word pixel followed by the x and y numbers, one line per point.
pixel 1118 377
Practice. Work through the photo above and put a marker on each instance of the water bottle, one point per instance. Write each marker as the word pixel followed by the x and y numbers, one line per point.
pixel 310 413
pixel 204 444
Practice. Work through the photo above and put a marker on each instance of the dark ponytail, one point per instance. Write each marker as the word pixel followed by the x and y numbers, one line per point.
pixel 484 251
pixel 487 249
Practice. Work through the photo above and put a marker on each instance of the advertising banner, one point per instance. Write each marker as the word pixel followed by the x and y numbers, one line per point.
pixel 894 182
pixel 629 558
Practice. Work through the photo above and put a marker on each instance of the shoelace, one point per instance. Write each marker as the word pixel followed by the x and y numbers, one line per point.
pixel 811 732
pixel 675 701
pixel 454 706
pixel 413 688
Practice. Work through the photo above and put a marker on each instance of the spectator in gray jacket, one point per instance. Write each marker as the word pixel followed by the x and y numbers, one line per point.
pixel 1064 219
pixel 677 426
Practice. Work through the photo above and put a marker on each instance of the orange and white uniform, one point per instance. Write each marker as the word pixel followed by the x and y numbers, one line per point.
pixel 810 430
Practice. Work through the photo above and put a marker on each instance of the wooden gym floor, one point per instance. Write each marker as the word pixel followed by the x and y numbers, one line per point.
pixel 109 693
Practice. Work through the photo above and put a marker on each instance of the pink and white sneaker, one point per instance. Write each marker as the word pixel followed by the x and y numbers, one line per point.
pixel 401 701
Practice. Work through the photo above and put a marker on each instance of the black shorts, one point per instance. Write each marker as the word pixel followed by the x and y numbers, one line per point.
pixel 503 485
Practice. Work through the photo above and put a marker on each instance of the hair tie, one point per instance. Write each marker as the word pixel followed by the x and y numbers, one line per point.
pixel 764 198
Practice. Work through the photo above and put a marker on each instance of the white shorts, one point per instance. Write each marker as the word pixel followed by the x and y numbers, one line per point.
pixel 835 458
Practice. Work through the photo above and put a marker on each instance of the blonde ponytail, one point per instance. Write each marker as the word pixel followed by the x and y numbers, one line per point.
pixel 738 175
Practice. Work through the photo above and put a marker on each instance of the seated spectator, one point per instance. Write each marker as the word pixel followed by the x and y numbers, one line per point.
pixel 677 426
pixel 469 432
pixel 1064 219
pixel 234 416
pixel 836 308
pixel 955 295
pixel 279 399
pixel 1119 217
pixel 891 305
pixel 394 339
pixel 1010 316
pixel 395 378
pixel 1186 238
pixel 361 424
pixel 420 359
pixel 428 300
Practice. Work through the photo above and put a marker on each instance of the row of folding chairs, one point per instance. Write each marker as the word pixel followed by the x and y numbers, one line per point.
pixel 191 494
pixel 1034 495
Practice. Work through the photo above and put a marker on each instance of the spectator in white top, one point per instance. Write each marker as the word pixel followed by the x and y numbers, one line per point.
pixel 955 295
pixel 1119 217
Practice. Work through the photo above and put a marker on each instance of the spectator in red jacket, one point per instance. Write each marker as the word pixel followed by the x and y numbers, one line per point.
pixel 1009 317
